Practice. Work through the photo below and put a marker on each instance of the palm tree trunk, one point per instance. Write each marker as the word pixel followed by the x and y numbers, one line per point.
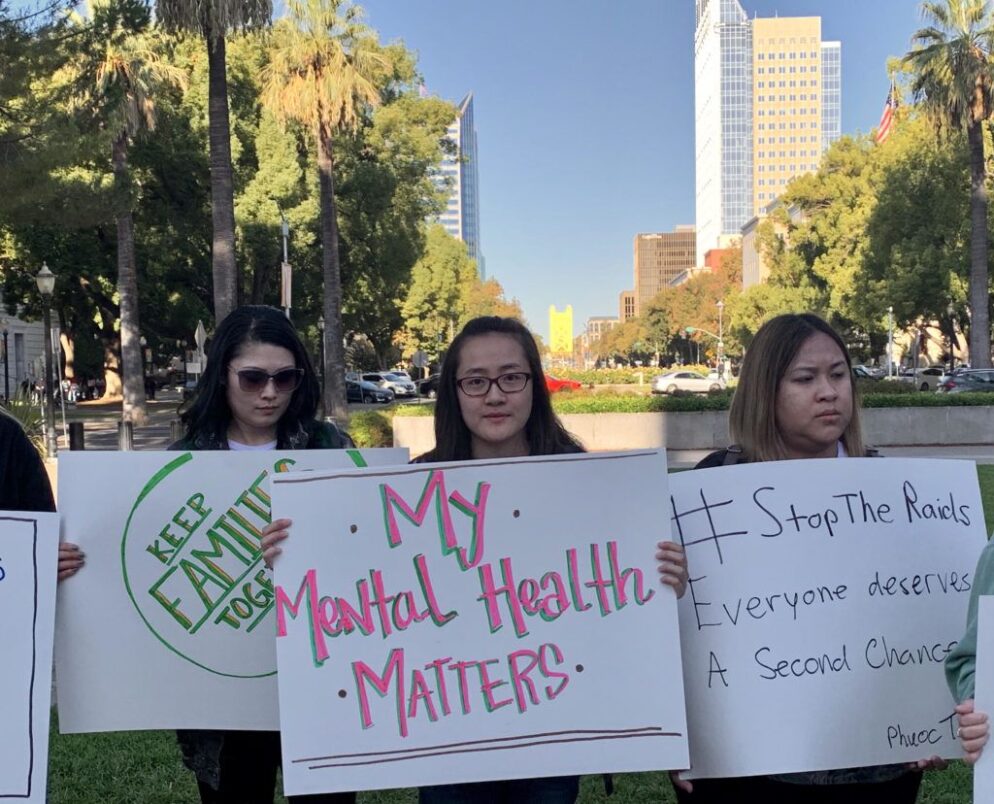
pixel 222 184
pixel 132 372
pixel 333 394
pixel 980 325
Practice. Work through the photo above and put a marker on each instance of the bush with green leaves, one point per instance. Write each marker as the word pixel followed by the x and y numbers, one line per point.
pixel 30 418
pixel 372 428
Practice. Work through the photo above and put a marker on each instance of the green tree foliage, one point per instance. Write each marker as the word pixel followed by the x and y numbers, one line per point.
pixel 212 20
pixel 954 81
pixel 58 198
pixel 324 72
pixel 115 91
pixel 435 301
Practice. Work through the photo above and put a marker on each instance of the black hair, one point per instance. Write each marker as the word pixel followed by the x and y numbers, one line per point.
pixel 453 441
pixel 752 418
pixel 208 413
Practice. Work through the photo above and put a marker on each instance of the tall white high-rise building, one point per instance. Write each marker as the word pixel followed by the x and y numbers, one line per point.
pixel 768 102
pixel 461 217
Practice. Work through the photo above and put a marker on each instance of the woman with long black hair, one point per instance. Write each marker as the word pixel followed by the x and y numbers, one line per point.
pixel 259 392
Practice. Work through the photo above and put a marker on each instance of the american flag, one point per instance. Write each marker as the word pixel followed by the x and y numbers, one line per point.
pixel 887 117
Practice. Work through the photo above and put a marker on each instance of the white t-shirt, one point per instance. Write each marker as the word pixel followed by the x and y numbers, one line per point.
pixel 238 446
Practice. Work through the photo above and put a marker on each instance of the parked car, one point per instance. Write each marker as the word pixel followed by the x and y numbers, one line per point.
pixel 366 392
pixel 865 373
pixel 386 379
pixel 429 386
pixel 924 379
pixel 969 380
pixel 556 384
pixel 685 381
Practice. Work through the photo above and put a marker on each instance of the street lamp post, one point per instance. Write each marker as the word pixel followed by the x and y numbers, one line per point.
pixel 46 286
pixel 721 339
pixel 950 313
pixel 6 365
pixel 321 340
pixel 890 341
pixel 285 268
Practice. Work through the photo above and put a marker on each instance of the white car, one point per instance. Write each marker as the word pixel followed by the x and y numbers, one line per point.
pixel 924 379
pixel 685 381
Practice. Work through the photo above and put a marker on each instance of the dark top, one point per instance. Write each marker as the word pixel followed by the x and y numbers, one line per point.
pixel 873 773
pixel 312 435
pixel 201 748
pixel 734 454
pixel 24 482
pixel 429 457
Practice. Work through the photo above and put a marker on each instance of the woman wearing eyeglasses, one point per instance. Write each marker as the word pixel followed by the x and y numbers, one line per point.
pixel 258 392
pixel 493 403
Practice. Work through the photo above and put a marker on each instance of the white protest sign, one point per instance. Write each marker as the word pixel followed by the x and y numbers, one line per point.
pixel 824 597
pixel 28 551
pixel 169 624
pixel 983 699
pixel 475 621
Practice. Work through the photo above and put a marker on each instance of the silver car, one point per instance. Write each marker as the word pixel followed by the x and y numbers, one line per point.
pixel 673 381
pixel 386 379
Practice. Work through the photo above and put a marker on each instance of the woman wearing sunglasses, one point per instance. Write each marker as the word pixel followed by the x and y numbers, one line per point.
pixel 258 392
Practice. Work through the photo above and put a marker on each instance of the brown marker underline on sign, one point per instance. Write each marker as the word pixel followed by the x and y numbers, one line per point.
pixel 462 743
pixel 482 749
pixel 419 468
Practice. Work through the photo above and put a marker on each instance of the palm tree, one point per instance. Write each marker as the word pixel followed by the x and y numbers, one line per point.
pixel 325 69
pixel 953 80
pixel 117 86
pixel 213 20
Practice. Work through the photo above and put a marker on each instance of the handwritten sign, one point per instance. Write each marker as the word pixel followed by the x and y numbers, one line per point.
pixel 824 597
pixel 170 623
pixel 473 621
pixel 28 550
pixel 983 771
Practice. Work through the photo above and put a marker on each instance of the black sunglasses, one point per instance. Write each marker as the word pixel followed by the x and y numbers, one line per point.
pixel 253 380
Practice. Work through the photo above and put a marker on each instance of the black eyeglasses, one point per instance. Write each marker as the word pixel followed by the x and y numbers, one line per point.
pixel 253 380
pixel 510 383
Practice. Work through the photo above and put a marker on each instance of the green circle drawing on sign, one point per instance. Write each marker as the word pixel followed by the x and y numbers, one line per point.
pixel 203 596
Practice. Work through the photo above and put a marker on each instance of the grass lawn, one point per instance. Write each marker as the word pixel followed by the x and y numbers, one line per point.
pixel 145 767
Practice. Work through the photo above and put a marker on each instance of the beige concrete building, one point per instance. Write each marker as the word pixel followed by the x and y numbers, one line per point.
pixel 661 258
pixel 788 96
pixel 768 102
pixel 626 305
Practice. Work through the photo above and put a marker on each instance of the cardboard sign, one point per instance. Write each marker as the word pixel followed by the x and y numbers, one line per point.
pixel 28 555
pixel 473 621
pixel 824 597
pixel 170 623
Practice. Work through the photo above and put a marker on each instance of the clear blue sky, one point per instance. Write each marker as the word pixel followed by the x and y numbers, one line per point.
pixel 585 122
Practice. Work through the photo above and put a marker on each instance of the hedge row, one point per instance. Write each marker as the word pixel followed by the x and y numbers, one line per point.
pixel 582 402
pixel 620 376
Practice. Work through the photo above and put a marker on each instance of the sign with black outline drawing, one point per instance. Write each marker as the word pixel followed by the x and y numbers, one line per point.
pixel 824 596
pixel 28 555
